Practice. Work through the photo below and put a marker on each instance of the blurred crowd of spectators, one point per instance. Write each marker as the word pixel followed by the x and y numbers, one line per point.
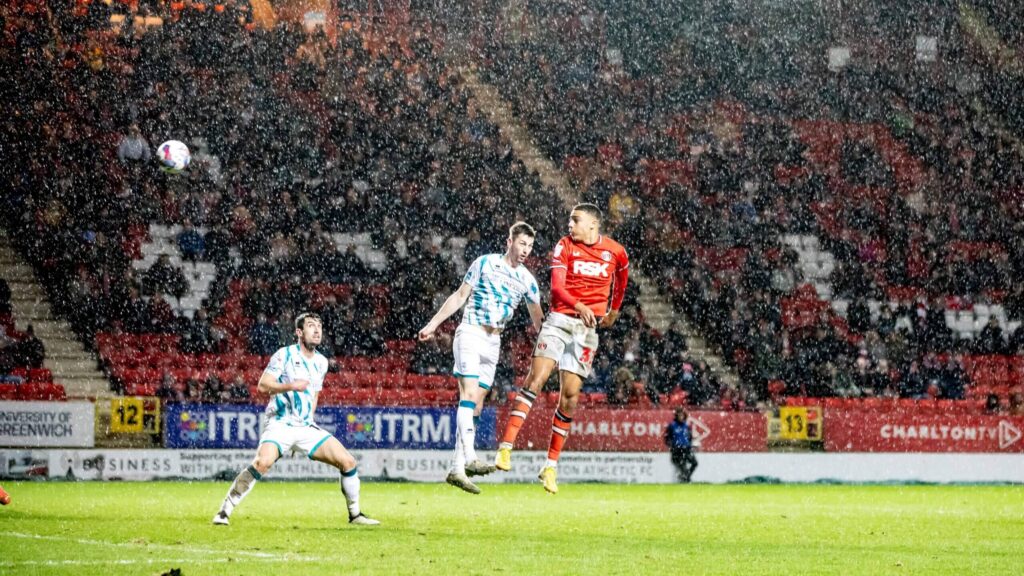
pixel 298 133
pixel 714 101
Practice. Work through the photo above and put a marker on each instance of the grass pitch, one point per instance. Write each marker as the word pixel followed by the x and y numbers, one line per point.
pixel 293 528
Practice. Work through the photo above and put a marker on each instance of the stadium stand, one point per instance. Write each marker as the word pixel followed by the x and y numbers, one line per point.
pixel 773 195
pixel 798 216
pixel 185 285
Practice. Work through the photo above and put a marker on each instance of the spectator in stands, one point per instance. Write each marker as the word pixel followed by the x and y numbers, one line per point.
pixel 191 243
pixel 912 382
pixel 5 297
pixel 133 146
pixel 30 350
pixel 990 340
pixel 163 278
pixel 952 380
pixel 161 315
pixel 197 334
pixel 1016 404
pixel 169 390
pixel 194 388
pixel 238 392
pixel 214 391
pixel 993 406
pixel 134 314
pixel 430 356
pixel 601 380
pixel 263 336
pixel 622 390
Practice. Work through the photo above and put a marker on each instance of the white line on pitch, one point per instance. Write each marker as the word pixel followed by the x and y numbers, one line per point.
pixel 171 561
pixel 154 546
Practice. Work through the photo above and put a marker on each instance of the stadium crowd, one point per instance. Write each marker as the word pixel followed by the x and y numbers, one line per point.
pixel 295 136
pixel 698 147
pixel 708 166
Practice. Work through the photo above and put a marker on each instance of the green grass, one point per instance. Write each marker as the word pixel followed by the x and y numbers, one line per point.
pixel 299 528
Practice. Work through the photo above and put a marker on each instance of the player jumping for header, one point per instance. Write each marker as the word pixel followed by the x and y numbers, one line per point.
pixel 294 378
pixel 493 288
pixel 585 266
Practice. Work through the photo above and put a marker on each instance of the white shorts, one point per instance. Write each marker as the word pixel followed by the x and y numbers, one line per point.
pixel 567 341
pixel 291 438
pixel 476 354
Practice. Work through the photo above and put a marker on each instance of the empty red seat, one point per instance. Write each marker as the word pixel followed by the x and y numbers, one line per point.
pixel 42 375
pixel 140 389
pixel 8 391
pixel 833 402
pixel 46 392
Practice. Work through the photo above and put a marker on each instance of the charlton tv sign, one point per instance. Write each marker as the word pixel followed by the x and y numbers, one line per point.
pixel 857 431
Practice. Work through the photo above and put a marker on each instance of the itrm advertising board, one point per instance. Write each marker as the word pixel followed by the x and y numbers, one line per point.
pixel 360 428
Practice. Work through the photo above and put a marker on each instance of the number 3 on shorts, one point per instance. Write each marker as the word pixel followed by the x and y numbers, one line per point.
pixel 587 356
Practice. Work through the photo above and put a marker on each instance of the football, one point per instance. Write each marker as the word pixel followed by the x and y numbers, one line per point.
pixel 174 156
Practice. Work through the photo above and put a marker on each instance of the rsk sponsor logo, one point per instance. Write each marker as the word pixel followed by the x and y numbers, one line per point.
pixel 590 268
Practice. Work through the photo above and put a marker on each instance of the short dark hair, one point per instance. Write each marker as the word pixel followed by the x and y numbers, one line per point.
pixel 589 208
pixel 300 320
pixel 521 228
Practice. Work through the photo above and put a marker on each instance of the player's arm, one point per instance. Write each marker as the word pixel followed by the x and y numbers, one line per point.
pixel 269 384
pixel 269 381
pixel 536 315
pixel 452 305
pixel 618 293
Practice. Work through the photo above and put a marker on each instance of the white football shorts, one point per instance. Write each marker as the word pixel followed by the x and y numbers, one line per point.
pixel 569 342
pixel 476 354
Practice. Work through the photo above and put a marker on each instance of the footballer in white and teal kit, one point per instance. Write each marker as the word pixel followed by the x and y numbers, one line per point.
pixel 294 378
pixel 491 290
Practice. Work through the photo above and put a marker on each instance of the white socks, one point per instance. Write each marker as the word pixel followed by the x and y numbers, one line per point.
pixel 242 485
pixel 350 488
pixel 465 436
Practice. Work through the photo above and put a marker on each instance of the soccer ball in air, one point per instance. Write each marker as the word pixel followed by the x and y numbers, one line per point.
pixel 174 156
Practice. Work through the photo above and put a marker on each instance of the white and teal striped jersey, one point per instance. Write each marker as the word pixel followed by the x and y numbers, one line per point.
pixel 497 290
pixel 288 365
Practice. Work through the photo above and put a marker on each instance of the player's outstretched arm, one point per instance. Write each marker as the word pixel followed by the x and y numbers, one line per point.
pixel 452 305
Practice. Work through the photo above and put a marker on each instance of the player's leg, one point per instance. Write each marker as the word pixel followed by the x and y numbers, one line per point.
pixel 330 451
pixel 551 343
pixel 465 437
pixel 691 464
pixel 5 498
pixel 561 422
pixel 574 366
pixel 679 461
pixel 488 366
pixel 267 453
pixel 467 349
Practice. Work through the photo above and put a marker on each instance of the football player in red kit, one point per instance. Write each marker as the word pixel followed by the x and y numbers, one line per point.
pixel 586 268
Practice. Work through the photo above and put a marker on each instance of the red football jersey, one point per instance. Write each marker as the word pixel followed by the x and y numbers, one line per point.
pixel 590 272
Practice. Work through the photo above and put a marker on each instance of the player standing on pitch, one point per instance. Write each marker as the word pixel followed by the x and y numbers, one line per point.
pixel 493 288
pixel 585 267
pixel 294 378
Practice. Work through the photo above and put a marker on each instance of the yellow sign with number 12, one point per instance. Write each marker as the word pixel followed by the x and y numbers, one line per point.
pixel 126 415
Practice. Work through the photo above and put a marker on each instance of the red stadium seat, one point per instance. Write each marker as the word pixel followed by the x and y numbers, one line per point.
pixel 40 375
pixel 8 391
